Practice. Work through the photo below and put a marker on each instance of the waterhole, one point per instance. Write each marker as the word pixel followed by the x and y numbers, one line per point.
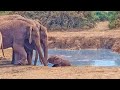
pixel 99 57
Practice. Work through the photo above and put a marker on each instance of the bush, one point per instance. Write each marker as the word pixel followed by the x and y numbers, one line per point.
pixel 55 20
pixel 100 15
pixel 61 19
pixel 114 21
pixel 114 24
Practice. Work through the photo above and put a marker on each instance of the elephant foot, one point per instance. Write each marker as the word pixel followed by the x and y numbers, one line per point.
pixel 21 62
pixel 28 64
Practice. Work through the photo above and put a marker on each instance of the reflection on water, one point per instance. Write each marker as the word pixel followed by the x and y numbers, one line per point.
pixel 100 57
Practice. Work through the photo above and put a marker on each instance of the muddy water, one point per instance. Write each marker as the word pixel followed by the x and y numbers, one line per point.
pixel 100 57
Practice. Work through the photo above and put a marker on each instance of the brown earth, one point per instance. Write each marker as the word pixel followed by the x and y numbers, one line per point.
pixel 85 40
pixel 91 39
pixel 99 37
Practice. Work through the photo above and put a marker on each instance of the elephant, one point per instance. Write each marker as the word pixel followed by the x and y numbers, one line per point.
pixel 44 44
pixel 43 37
pixel 58 61
pixel 43 40
pixel 1 44
pixel 15 32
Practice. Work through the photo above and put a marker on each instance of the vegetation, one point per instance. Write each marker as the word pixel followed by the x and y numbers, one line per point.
pixel 114 19
pixel 112 16
pixel 62 20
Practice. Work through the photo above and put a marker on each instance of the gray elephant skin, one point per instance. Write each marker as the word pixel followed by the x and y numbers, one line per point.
pixel 29 47
pixel 15 32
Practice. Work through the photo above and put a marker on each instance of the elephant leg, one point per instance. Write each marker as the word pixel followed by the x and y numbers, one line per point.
pixel 21 51
pixel 29 55
pixel 13 57
pixel 36 58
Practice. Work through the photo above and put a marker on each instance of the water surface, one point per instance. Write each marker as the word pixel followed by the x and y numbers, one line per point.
pixel 99 57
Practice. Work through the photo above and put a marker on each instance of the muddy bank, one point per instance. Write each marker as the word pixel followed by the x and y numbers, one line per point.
pixel 85 40
pixel 82 43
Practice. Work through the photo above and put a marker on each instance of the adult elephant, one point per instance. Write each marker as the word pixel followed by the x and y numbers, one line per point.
pixel 44 43
pixel 15 32
pixel 4 18
pixel 43 38
pixel 29 47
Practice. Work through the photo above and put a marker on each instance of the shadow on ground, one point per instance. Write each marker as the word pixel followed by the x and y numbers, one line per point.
pixel 6 63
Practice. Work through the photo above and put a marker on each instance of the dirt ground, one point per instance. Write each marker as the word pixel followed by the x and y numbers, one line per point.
pixel 8 71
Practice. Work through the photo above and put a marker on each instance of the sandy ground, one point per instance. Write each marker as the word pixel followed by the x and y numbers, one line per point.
pixel 36 72
pixel 8 71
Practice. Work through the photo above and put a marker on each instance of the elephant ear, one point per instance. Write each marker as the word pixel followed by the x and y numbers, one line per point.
pixel 30 35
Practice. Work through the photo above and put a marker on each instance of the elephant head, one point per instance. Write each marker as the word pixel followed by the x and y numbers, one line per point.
pixel 34 36
pixel 58 61
pixel 43 39
pixel 55 59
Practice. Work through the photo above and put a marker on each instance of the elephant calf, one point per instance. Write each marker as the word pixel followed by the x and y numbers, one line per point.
pixel 58 61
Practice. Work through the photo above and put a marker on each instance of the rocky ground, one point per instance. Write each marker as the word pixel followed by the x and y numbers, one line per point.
pixel 95 38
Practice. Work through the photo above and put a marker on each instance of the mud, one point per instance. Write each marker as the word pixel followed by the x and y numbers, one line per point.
pixel 85 40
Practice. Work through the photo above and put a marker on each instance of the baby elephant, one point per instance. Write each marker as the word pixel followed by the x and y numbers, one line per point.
pixel 58 61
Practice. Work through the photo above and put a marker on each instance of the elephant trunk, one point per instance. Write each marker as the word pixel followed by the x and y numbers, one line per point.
pixel 46 54
pixel 45 50
pixel 44 42
pixel 38 48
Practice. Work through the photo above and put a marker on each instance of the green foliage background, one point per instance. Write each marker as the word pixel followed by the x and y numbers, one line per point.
pixel 62 20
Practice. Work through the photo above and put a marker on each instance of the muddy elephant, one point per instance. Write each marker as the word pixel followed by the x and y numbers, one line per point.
pixel 43 38
pixel 58 61
pixel 15 32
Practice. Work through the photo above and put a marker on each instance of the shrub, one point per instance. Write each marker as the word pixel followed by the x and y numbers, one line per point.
pixel 70 19
pixel 113 18
pixel 61 19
